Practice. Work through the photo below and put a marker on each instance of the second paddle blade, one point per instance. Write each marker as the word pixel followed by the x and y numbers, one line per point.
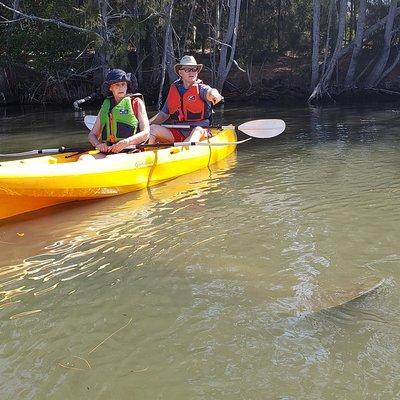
pixel 89 121
pixel 263 128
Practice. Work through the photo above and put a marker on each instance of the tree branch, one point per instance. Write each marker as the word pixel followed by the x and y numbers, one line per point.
pixel 7 21
pixel 121 15
pixel 51 21
pixel 368 33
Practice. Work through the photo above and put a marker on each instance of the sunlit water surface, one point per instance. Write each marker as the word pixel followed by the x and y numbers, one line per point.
pixel 218 284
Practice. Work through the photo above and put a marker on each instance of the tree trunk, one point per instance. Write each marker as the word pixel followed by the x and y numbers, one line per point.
pixel 324 81
pixel 155 56
pixel 375 76
pixel 394 65
pixel 15 6
pixel 214 44
pixel 339 41
pixel 167 39
pixel 170 60
pixel 139 68
pixel 350 25
pixel 354 21
pixel 358 41
pixel 189 25
pixel 328 35
pixel 315 41
pixel 102 55
pixel 229 44
pixel 368 33
pixel 278 25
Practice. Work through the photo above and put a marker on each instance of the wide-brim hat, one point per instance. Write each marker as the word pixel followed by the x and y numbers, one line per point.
pixel 119 75
pixel 187 61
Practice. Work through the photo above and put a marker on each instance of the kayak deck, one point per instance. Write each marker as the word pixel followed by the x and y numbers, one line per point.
pixel 31 184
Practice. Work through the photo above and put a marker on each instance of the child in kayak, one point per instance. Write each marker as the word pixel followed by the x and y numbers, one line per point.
pixel 122 120
pixel 189 101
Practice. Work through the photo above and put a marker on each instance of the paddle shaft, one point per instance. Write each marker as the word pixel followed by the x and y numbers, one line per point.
pixel 262 128
pixel 61 149
pixel 178 144
pixel 64 149
pixel 179 126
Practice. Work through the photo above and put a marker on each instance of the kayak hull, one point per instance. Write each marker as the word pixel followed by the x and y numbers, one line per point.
pixel 31 184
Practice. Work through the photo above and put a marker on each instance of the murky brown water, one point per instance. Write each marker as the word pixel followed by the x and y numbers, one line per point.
pixel 212 286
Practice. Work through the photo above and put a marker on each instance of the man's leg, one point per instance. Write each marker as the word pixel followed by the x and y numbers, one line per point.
pixel 199 133
pixel 160 134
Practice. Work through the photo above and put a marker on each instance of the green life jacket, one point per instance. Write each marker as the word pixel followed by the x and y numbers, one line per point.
pixel 118 123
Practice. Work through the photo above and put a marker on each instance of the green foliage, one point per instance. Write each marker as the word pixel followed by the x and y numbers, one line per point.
pixel 45 46
pixel 267 28
pixel 133 32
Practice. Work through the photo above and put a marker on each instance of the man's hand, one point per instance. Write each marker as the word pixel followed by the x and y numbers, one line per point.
pixel 102 147
pixel 119 146
pixel 214 96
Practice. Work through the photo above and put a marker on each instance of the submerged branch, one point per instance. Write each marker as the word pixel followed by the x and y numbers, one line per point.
pixel 108 337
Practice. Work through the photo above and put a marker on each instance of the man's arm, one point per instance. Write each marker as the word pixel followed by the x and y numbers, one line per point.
pixel 94 137
pixel 159 118
pixel 213 96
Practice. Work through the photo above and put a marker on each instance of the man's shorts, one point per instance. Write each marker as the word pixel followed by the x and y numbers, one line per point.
pixel 180 135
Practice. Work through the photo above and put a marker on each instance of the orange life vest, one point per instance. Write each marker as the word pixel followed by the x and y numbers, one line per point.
pixel 189 107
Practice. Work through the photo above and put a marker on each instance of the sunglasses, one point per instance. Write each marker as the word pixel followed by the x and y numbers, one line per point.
pixel 194 69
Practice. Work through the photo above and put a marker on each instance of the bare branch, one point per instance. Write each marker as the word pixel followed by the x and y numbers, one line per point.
pixel 368 33
pixel 51 21
pixel 121 15
pixel 83 51
pixel 235 63
pixel 152 15
pixel 218 41
pixel 6 22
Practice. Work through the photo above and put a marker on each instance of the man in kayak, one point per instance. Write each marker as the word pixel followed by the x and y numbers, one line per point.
pixel 122 120
pixel 189 101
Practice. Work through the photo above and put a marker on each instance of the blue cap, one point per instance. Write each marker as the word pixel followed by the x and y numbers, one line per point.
pixel 118 75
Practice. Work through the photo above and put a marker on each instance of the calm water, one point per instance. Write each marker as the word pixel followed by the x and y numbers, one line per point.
pixel 214 285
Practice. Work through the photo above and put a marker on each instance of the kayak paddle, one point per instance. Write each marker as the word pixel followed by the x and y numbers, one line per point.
pixel 259 128
pixel 61 149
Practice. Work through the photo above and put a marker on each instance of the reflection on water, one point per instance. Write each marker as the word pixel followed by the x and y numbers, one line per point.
pixel 213 286
pixel 126 226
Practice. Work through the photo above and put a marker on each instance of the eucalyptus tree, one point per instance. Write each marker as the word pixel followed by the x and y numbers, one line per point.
pixel 376 74
pixel 168 57
pixel 358 41
pixel 228 43
pixel 323 83
pixel 315 43
pixel 370 42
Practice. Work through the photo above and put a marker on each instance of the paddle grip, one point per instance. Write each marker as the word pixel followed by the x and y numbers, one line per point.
pixel 84 100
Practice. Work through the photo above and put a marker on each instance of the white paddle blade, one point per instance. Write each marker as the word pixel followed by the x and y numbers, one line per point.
pixel 89 121
pixel 263 128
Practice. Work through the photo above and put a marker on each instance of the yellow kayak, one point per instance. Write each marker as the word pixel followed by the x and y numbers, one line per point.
pixel 34 183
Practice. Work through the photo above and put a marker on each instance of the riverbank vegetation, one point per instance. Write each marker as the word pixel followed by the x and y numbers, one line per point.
pixel 57 51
